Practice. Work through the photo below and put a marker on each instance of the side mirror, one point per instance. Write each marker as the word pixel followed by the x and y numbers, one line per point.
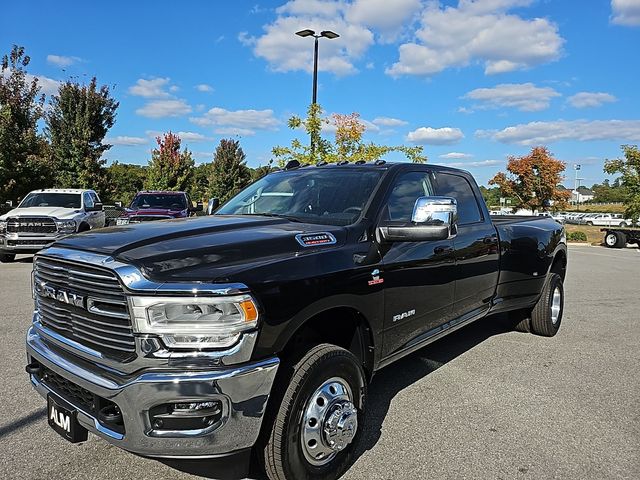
pixel 433 218
pixel 97 207
pixel 213 205
pixel 118 204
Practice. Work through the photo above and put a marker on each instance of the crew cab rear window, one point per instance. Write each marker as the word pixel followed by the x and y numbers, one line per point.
pixel 459 188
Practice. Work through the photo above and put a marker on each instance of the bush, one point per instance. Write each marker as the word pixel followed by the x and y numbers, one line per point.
pixel 577 237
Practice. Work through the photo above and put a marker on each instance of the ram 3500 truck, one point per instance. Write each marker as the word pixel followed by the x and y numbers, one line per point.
pixel 45 216
pixel 257 329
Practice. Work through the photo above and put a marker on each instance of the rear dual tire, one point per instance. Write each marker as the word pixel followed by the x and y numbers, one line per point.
pixel 615 240
pixel 546 316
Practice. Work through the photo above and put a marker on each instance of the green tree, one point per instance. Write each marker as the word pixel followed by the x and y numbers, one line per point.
pixel 229 173
pixel 76 125
pixel 491 195
pixel 629 168
pixel 607 193
pixel 532 180
pixel 198 190
pixel 23 164
pixel 348 143
pixel 169 168
pixel 124 181
pixel 260 171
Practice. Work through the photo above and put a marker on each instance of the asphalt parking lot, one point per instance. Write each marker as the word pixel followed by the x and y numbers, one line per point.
pixel 484 403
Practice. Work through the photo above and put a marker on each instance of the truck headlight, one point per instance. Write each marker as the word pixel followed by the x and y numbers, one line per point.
pixel 194 323
pixel 3 226
pixel 66 226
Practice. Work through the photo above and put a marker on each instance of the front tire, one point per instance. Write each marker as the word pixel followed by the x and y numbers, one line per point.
pixel 546 316
pixel 7 257
pixel 320 412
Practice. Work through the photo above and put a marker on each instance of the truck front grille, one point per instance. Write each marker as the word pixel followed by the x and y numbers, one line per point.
pixel 85 304
pixel 31 225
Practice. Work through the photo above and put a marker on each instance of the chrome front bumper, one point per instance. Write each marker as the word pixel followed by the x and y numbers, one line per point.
pixel 16 243
pixel 243 391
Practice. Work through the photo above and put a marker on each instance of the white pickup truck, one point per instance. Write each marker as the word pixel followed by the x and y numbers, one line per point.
pixel 45 216
pixel 607 220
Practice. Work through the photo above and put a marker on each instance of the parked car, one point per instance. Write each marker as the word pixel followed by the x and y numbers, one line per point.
pixel 257 329
pixel 157 205
pixel 45 216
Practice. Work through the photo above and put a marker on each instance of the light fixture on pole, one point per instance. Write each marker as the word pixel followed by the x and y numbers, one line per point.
pixel 310 33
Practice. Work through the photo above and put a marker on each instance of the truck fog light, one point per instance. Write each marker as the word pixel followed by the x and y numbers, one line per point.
pixel 186 415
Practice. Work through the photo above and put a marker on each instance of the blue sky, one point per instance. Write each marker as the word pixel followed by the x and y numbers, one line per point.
pixel 472 81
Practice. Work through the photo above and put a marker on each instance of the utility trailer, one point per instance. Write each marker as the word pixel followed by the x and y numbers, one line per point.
pixel 619 237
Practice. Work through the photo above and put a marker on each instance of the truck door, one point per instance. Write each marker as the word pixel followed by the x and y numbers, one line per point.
pixel 476 247
pixel 418 276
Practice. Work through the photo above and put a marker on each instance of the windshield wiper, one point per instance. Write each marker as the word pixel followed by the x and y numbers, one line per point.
pixel 277 215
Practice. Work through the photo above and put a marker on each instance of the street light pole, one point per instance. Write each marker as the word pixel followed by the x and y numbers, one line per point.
pixel 314 97
pixel 310 33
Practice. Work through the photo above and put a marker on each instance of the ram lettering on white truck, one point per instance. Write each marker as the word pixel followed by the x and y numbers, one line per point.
pixel 45 216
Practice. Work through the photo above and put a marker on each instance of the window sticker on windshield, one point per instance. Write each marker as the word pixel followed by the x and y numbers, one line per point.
pixel 313 239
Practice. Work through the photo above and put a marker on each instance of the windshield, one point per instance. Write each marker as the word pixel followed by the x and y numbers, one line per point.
pixel 48 199
pixel 326 196
pixel 159 201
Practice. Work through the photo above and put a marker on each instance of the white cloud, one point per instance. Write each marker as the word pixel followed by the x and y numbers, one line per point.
pixel 61 61
pixel 523 96
pixel 242 132
pixel 590 99
pixel 625 12
pixel 480 164
pixel 126 141
pixel 154 88
pixel 386 16
pixel 284 51
pixel 49 86
pixel 479 31
pixel 237 122
pixel 541 133
pixel 388 122
pixel 455 155
pixel 164 108
pixel 435 136
pixel 203 87
pixel 193 137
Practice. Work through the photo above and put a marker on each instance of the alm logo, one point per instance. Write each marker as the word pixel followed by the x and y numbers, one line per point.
pixel 60 419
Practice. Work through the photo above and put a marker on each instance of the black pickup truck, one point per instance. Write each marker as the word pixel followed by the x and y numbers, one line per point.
pixel 256 330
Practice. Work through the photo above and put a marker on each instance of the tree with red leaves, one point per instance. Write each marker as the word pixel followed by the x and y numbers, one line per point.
pixel 169 168
pixel 532 180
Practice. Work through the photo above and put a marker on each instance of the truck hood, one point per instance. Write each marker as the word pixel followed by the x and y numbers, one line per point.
pixel 210 249
pixel 56 212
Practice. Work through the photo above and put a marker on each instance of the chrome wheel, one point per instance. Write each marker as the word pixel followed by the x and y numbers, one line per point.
pixel 556 305
pixel 610 239
pixel 330 422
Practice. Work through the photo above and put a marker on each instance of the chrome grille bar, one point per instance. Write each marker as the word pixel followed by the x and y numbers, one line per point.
pixel 31 225
pixel 85 304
